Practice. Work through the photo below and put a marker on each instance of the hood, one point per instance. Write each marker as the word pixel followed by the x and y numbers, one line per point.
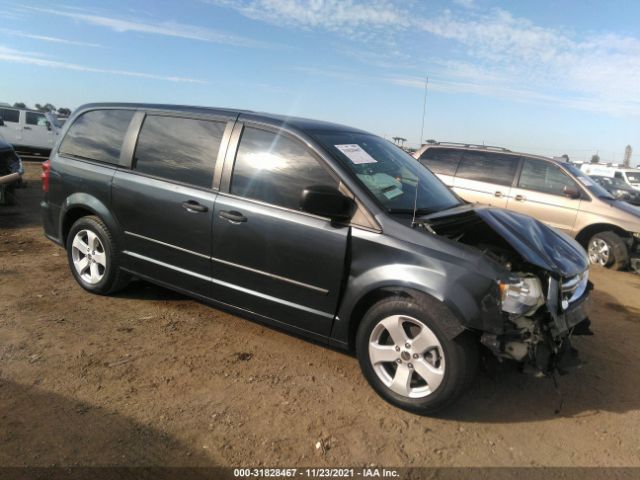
pixel 536 243
pixel 4 145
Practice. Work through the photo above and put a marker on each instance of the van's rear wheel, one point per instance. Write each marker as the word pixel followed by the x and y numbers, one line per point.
pixel 407 359
pixel 608 250
pixel 94 257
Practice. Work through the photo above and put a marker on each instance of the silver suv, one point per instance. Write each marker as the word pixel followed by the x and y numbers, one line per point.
pixel 555 192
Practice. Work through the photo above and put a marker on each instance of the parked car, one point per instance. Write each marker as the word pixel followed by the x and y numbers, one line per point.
pixel 617 187
pixel 11 171
pixel 28 130
pixel 326 231
pixel 630 176
pixel 557 193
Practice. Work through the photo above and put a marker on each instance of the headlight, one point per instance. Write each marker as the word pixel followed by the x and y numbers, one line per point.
pixel 521 295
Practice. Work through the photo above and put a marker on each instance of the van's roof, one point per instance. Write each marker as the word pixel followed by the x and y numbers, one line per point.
pixel 487 148
pixel 299 123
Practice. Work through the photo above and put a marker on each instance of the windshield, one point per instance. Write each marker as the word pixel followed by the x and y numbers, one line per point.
pixel 587 182
pixel 391 175
pixel 633 177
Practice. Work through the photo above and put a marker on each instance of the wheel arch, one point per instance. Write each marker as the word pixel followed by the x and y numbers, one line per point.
pixel 81 205
pixel 587 232
pixel 450 323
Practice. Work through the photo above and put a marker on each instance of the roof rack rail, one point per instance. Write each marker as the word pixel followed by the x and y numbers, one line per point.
pixel 472 145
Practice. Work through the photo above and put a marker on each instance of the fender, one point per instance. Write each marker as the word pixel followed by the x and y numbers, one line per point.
pixel 456 291
pixel 86 201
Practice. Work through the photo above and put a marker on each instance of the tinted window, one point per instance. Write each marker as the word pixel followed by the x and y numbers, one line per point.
pixel 10 115
pixel 488 167
pixel 36 119
pixel 440 160
pixel 97 135
pixel 544 177
pixel 275 169
pixel 181 149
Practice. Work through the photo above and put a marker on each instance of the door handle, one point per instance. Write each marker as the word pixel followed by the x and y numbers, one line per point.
pixel 193 206
pixel 497 194
pixel 520 198
pixel 233 216
pixel 27 128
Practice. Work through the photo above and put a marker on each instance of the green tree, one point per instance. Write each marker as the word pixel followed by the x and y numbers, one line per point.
pixel 19 105
pixel 595 158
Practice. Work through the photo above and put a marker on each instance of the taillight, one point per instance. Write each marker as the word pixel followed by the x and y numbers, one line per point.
pixel 44 176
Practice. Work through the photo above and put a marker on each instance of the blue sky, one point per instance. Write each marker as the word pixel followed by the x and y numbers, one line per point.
pixel 548 77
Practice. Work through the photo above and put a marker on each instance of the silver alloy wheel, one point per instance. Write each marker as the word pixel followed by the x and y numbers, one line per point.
pixel 599 252
pixel 407 356
pixel 88 256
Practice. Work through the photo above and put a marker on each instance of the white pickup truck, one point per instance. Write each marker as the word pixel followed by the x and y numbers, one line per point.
pixel 28 130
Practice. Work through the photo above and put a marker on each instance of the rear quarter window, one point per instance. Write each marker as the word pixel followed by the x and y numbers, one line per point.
pixel 97 135
pixel 488 167
pixel 440 160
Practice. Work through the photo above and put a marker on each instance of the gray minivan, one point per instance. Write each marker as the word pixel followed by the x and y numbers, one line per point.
pixel 323 230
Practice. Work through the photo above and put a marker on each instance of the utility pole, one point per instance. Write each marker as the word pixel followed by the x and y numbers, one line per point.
pixel 424 110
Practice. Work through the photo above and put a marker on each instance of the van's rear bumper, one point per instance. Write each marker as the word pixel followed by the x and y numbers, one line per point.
pixel 50 221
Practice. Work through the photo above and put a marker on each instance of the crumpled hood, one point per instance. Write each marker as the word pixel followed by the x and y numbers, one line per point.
pixel 538 244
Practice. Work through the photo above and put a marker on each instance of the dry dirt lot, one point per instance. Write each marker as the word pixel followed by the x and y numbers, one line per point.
pixel 150 377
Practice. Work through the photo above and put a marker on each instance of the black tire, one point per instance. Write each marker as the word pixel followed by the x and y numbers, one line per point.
pixel 461 356
pixel 113 278
pixel 618 251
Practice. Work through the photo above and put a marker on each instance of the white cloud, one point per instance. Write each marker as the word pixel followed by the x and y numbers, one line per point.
pixel 165 28
pixel 465 3
pixel 44 38
pixel 15 56
pixel 491 53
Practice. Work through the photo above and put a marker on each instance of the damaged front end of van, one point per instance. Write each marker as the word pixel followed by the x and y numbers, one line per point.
pixel 544 299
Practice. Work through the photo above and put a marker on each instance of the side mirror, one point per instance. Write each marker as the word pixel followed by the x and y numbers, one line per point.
pixel 571 192
pixel 1 122
pixel 48 124
pixel 326 201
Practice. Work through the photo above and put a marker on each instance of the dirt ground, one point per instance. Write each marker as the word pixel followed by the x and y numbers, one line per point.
pixel 150 377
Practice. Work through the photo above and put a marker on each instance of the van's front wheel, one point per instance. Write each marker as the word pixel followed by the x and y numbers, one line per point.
pixel 608 250
pixel 408 360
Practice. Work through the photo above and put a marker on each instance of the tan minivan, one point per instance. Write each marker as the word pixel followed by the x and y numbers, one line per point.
pixel 555 192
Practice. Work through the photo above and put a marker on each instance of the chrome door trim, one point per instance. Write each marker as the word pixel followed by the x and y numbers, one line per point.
pixel 229 285
pixel 166 244
pixel 272 275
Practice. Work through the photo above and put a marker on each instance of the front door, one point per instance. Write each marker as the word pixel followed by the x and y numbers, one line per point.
pixel 268 256
pixel 10 127
pixel 540 192
pixel 165 204
pixel 37 132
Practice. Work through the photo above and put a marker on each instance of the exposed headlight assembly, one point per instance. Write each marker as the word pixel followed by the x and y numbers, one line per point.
pixel 521 295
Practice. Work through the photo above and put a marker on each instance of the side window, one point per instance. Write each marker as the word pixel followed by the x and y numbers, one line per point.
pixel 34 118
pixel 9 115
pixel 441 160
pixel 275 169
pixel 181 149
pixel 97 135
pixel 544 177
pixel 488 167
pixel 618 175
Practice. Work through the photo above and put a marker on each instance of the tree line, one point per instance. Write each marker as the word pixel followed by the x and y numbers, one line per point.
pixel 47 107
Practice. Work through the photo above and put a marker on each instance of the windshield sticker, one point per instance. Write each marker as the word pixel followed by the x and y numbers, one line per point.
pixel 356 154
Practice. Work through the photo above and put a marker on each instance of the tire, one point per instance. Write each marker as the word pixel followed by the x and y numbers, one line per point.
pixel 448 365
pixel 608 250
pixel 94 258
